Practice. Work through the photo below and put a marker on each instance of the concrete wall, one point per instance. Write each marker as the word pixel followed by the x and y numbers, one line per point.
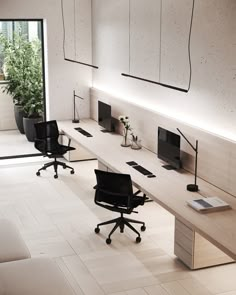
pixel 62 77
pixel 156 48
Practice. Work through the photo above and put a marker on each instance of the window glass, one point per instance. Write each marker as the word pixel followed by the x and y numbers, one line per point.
pixel 31 29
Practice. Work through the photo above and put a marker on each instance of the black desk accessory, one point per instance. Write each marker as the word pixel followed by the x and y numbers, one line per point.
pixel 131 163
pixel 142 170
pixel 192 187
pixel 74 117
pixel 84 132
pixel 151 176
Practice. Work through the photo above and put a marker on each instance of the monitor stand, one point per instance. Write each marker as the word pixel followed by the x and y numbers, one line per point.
pixel 169 167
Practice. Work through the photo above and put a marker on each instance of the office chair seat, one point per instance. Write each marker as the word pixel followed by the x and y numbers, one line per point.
pixel 114 191
pixel 46 142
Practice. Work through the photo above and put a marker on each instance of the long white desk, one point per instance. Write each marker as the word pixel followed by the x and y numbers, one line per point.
pixel 199 238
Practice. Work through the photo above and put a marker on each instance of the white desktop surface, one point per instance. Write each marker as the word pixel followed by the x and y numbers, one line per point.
pixel 168 188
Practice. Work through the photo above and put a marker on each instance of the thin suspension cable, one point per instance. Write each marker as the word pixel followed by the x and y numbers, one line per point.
pixel 189 49
pixel 160 52
pixel 91 36
pixel 129 34
pixel 64 37
pixel 75 49
pixel 189 58
pixel 64 29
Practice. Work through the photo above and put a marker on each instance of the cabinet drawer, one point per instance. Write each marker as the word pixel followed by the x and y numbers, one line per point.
pixel 182 240
pixel 183 255
pixel 181 227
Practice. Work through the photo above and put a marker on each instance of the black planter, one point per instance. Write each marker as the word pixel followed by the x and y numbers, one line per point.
pixel 29 127
pixel 19 114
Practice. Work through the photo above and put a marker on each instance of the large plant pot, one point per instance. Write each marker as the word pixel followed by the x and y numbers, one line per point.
pixel 29 127
pixel 19 114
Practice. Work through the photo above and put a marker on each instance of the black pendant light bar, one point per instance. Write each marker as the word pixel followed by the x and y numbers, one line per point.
pixel 79 62
pixel 155 82
pixel 64 35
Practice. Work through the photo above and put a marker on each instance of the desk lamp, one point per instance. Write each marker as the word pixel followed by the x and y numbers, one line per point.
pixel 74 97
pixel 192 187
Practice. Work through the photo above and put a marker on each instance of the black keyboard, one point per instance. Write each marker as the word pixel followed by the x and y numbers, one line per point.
pixel 84 132
pixel 142 170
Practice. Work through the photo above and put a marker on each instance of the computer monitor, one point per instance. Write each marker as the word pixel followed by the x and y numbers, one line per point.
pixel 169 148
pixel 104 117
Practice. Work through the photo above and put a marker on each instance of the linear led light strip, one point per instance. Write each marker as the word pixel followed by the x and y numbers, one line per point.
pixel 159 83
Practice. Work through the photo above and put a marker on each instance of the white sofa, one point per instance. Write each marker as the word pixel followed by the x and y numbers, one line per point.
pixel 22 275
pixel 35 276
pixel 12 246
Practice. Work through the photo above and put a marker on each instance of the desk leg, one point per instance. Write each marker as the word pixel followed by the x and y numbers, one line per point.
pixel 103 167
pixel 78 154
pixel 194 250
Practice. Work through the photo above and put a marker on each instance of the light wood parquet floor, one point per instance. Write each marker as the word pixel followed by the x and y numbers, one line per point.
pixel 57 217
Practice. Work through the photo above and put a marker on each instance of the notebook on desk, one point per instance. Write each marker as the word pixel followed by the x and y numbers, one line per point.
pixel 210 204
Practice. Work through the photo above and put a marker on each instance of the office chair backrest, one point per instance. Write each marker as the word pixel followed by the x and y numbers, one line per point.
pixel 113 188
pixel 47 134
pixel 47 129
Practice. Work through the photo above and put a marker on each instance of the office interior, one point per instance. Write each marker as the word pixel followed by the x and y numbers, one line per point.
pixel 150 40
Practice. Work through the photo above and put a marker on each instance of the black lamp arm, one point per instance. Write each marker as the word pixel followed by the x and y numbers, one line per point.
pixel 75 95
pixel 194 148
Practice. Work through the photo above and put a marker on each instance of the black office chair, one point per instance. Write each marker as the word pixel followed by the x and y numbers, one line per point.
pixel 46 142
pixel 114 191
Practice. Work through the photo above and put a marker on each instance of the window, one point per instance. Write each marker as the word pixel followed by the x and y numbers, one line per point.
pixel 31 29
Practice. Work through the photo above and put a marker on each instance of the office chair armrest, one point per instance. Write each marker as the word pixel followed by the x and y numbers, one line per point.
pixel 138 192
pixel 146 199
pixel 69 139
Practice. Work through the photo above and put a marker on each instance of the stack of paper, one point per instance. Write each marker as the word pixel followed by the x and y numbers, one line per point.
pixel 208 204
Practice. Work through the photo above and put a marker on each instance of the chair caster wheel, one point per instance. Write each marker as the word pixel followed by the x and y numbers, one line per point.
pixel 143 228
pixel 64 167
pixel 138 240
pixel 108 241
pixel 38 173
pixel 97 230
pixel 72 172
pixel 55 176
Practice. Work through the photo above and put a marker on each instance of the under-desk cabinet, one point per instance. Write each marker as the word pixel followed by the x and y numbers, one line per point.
pixel 79 153
pixel 194 250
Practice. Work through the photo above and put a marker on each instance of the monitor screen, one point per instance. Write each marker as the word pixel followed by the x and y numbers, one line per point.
pixel 169 148
pixel 104 116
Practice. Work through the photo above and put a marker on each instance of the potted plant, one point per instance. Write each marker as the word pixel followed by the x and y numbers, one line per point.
pixel 33 102
pixel 21 58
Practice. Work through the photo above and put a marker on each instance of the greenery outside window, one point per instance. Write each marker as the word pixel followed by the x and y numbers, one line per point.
pixel 30 29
